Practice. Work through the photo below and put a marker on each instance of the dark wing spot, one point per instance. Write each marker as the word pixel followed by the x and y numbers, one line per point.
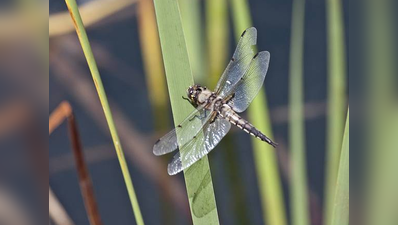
pixel 194 137
pixel 233 59
pixel 243 33
pixel 179 126
pixel 157 141
pixel 255 55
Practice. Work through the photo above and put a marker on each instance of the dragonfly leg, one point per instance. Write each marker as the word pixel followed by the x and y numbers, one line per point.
pixel 185 98
pixel 229 98
pixel 213 118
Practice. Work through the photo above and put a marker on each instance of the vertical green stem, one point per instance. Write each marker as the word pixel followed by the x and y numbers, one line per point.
pixel 84 42
pixel 299 190
pixel 336 100
pixel 341 205
pixel 264 155
pixel 179 77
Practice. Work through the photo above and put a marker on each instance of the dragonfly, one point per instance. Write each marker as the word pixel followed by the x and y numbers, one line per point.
pixel 215 111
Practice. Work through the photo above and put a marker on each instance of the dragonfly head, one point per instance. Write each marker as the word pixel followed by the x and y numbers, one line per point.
pixel 193 94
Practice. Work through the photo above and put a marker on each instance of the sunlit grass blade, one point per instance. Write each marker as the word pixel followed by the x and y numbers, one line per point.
pixel 217 31
pixel 341 207
pixel 299 189
pixel 264 155
pixel 81 33
pixel 153 64
pixel 179 78
pixel 336 100
pixel 194 37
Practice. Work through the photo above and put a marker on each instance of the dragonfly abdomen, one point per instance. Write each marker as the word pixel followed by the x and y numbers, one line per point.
pixel 228 113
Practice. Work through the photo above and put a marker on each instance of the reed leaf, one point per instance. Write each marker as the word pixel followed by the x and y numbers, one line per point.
pixel 179 77
pixel 341 207
pixel 299 189
pixel 264 155
pixel 84 42
pixel 336 100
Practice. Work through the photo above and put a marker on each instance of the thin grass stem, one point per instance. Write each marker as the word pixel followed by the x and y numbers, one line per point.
pixel 336 100
pixel 81 33
pixel 299 189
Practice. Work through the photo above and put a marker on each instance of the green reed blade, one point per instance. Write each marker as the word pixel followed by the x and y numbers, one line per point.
pixel 299 189
pixel 84 42
pixel 336 100
pixel 179 77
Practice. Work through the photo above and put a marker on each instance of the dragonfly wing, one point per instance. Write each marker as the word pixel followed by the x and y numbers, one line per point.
pixel 249 85
pixel 199 146
pixel 187 129
pixel 239 63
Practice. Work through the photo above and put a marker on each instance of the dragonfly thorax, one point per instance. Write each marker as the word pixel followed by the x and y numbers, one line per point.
pixel 199 95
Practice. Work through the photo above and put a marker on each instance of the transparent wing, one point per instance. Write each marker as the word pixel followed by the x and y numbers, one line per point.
pixel 199 146
pixel 187 129
pixel 249 85
pixel 239 63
